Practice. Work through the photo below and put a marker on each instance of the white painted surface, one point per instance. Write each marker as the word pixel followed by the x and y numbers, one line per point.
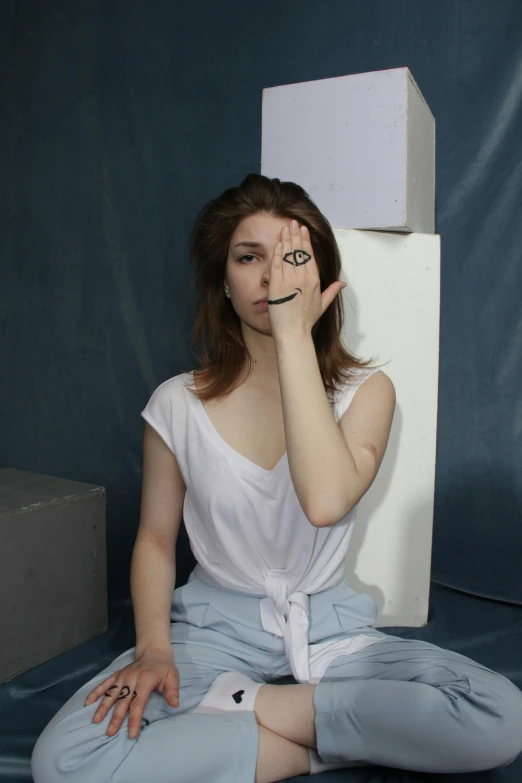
pixel 362 146
pixel 391 306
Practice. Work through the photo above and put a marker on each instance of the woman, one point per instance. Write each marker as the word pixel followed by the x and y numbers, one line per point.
pixel 265 452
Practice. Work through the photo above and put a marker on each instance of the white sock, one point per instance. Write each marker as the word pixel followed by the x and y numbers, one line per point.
pixel 316 765
pixel 230 691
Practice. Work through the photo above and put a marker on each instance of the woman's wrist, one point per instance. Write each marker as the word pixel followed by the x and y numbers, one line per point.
pixel 155 646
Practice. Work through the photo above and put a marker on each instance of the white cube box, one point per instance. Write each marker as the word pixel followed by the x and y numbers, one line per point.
pixel 362 146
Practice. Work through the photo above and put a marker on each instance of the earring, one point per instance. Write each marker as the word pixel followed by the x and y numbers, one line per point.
pixel 226 290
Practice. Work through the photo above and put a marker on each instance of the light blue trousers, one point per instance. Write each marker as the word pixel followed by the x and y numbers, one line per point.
pixel 398 702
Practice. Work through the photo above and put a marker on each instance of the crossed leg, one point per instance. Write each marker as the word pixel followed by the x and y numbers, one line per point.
pixel 402 703
pixel 288 710
pixel 279 758
pixel 285 716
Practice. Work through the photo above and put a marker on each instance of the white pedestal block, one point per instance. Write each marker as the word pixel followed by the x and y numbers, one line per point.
pixel 362 146
pixel 391 307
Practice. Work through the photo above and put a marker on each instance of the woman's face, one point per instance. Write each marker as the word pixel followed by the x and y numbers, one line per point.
pixel 248 266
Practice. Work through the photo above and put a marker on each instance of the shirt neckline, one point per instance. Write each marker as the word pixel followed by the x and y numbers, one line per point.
pixel 222 444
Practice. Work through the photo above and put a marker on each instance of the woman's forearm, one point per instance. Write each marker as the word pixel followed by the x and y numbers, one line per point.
pixel 153 577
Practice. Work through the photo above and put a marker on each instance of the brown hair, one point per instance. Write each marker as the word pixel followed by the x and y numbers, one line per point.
pixel 223 362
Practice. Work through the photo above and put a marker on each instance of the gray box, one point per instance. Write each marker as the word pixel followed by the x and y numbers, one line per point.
pixel 53 568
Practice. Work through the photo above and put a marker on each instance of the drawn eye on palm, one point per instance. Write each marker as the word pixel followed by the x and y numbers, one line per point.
pixel 296 258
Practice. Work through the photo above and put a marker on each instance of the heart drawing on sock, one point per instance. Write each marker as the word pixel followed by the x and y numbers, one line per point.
pixel 238 696
pixel 230 691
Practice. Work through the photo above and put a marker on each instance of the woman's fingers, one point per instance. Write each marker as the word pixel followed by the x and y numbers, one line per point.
pixel 132 695
pixel 129 689
pixel 171 687
pixel 110 696
pixel 123 703
pixel 136 711
pixel 100 689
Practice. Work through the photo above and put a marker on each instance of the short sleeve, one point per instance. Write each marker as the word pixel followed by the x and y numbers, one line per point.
pixel 360 374
pixel 158 413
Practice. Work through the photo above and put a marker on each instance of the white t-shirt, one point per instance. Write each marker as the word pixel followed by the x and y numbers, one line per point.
pixel 245 524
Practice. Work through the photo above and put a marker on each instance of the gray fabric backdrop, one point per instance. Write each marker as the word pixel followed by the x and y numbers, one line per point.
pixel 121 119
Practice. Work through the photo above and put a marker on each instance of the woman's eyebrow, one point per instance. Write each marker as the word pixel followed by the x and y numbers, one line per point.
pixel 250 244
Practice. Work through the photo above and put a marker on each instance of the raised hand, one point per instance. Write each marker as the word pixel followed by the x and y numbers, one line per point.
pixel 295 301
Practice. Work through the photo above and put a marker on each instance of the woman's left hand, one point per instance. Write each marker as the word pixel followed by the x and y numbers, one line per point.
pixel 295 301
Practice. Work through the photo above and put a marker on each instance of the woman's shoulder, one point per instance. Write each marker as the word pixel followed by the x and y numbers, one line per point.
pixel 372 378
pixel 369 380
pixel 171 386
pixel 355 377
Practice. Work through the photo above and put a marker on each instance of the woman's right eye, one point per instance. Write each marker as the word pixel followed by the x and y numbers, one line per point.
pixel 248 255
